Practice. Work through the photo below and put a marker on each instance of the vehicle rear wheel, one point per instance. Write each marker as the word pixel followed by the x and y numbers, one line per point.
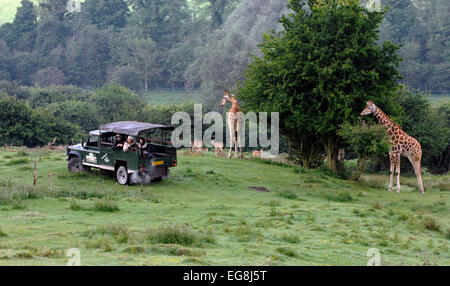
pixel 75 165
pixel 122 175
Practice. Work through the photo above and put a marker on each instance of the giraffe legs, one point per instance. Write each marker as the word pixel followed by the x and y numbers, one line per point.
pixel 232 135
pixel 418 171
pixel 391 178
pixel 397 167
pixel 238 138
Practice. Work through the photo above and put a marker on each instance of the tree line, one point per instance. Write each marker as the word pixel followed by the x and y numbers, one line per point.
pixel 139 44
pixel 186 43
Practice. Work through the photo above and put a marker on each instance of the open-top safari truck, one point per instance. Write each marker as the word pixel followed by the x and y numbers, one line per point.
pixel 137 165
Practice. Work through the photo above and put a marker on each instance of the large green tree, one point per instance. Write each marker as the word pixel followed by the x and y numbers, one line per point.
pixel 21 33
pixel 319 72
pixel 163 21
pixel 105 13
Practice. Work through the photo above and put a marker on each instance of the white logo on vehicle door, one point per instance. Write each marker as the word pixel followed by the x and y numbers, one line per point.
pixel 91 158
pixel 105 158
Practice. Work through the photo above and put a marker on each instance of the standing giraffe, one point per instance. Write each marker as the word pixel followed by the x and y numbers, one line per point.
pixel 401 144
pixel 234 119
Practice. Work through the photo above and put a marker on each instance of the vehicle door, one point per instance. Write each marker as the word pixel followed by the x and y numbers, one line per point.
pixel 106 153
pixel 92 150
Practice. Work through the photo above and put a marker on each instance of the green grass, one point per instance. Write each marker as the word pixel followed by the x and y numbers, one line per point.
pixel 168 97
pixel 199 217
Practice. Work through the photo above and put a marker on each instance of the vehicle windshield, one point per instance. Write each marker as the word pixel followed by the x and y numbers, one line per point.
pixel 92 141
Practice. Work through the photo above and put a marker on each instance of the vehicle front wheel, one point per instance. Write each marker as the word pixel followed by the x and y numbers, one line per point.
pixel 122 175
pixel 75 165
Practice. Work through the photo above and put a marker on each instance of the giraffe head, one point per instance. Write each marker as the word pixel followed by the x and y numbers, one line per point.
pixel 370 108
pixel 226 97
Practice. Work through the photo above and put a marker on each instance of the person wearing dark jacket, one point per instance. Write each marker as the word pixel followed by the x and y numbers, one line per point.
pixel 118 143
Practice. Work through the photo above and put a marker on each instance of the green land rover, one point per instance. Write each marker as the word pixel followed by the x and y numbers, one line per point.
pixel 137 165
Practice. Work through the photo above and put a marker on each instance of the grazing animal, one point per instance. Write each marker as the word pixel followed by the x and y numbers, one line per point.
pixel 401 144
pixel 196 146
pixel 257 153
pixel 218 147
pixel 50 144
pixel 234 120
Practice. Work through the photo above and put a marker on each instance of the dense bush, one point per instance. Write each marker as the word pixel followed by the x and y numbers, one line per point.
pixel 22 125
pixel 430 126
pixel 367 141
pixel 68 112
pixel 115 103
pixel 81 113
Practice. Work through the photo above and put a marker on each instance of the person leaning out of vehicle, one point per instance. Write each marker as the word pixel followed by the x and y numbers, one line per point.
pixel 128 144
pixel 118 143
pixel 142 146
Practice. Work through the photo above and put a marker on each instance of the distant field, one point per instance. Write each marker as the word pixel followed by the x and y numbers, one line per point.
pixel 8 9
pixel 207 214
pixel 169 96
pixel 437 99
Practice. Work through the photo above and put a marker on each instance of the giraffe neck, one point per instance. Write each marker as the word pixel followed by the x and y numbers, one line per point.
pixel 235 106
pixel 392 128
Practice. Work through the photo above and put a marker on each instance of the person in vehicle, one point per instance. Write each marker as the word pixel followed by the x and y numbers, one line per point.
pixel 118 143
pixel 142 146
pixel 128 144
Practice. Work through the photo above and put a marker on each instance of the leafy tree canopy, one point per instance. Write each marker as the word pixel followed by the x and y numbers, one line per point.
pixel 320 71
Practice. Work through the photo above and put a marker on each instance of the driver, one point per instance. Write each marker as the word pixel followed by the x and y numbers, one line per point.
pixel 118 143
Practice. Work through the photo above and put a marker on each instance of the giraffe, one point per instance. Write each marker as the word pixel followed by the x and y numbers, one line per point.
pixel 401 144
pixel 234 119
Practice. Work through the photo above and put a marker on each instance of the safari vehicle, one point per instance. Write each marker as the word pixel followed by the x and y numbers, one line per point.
pixel 136 165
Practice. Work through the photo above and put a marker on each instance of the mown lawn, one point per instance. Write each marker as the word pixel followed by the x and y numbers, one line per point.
pixel 206 214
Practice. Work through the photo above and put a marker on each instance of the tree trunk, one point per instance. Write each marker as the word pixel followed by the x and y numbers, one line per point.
pixel 146 84
pixel 331 147
pixel 359 168
pixel 305 150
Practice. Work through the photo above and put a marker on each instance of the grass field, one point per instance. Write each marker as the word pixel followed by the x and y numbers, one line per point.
pixel 206 214
pixel 169 96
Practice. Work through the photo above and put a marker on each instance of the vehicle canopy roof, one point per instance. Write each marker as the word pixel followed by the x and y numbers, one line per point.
pixel 132 128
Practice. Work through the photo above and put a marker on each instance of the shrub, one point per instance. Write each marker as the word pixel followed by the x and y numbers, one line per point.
pixel 181 234
pixel 377 206
pixel 431 223
pixel 103 243
pixel 119 232
pixel 367 141
pixel 23 153
pixel 291 238
pixel 105 205
pixel 244 233
pixel 287 194
pixel 18 162
pixel 2 233
pixel 340 197
pixel 75 206
pixel 287 251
